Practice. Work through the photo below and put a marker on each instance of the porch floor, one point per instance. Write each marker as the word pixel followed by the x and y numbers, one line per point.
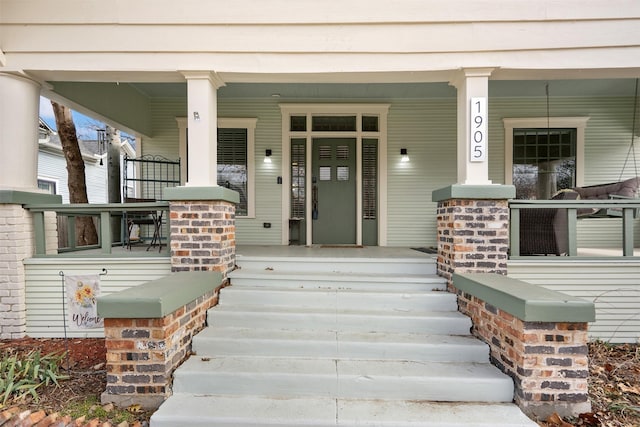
pixel 320 251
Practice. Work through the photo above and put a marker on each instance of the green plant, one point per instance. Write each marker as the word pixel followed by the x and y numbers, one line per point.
pixel 91 408
pixel 21 376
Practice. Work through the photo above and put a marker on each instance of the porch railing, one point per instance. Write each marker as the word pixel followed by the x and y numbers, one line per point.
pixel 624 209
pixel 103 214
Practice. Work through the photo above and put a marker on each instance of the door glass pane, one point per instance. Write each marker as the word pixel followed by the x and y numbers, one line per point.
pixel 342 173
pixel 298 169
pixel 325 173
pixel 333 123
pixel 369 178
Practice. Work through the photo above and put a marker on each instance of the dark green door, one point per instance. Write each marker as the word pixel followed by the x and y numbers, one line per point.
pixel 334 191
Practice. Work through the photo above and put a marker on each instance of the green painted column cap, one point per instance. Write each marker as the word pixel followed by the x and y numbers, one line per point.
pixel 527 302
pixel 200 193
pixel 15 197
pixel 474 192
pixel 157 298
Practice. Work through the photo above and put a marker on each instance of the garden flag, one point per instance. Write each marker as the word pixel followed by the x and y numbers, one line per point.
pixel 82 292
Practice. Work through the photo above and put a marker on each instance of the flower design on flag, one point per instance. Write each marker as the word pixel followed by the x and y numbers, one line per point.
pixel 84 295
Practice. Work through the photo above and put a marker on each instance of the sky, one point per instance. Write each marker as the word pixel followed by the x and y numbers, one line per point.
pixel 85 125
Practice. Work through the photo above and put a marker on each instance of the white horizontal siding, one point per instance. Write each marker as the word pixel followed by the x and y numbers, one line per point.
pixel 54 167
pixel 614 287
pixel 44 294
pixel 312 12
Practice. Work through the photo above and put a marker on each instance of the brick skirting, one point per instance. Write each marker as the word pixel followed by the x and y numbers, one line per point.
pixel 548 361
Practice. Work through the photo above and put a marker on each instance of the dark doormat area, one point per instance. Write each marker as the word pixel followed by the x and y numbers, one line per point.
pixel 429 250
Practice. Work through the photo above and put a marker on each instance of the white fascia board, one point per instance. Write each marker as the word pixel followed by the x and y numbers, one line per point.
pixel 127 149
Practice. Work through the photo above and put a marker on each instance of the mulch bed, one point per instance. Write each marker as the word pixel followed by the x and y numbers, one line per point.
pixel 614 383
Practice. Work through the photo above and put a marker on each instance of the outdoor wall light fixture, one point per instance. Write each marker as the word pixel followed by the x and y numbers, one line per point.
pixel 196 116
pixel 404 154
pixel 267 155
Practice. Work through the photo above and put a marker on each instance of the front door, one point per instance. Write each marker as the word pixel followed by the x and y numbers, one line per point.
pixel 333 192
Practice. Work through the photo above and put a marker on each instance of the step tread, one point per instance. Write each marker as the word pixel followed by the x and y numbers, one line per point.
pixel 217 410
pixel 226 332
pixel 233 341
pixel 350 291
pixel 284 310
pixel 371 369
pixel 249 273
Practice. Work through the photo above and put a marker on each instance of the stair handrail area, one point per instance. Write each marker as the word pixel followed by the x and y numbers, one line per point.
pixel 569 211
pixel 103 213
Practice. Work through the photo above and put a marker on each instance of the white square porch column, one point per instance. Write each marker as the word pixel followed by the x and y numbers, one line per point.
pixel 202 116
pixel 473 93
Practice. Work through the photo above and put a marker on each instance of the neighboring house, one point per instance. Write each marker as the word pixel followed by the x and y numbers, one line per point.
pixel 52 166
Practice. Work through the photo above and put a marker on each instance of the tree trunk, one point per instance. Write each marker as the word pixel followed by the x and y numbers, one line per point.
pixel 85 228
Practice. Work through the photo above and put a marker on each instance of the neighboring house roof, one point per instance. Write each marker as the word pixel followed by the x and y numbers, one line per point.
pixel 49 141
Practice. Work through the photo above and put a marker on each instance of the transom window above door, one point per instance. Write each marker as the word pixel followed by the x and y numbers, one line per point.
pixel 346 123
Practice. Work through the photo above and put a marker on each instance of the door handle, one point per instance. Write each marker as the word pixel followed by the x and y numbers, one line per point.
pixel 314 202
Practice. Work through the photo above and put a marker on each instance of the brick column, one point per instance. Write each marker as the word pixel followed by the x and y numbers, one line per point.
pixel 16 244
pixel 16 229
pixel 202 228
pixel 473 229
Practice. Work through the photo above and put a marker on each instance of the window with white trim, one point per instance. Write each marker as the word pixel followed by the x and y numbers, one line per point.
pixel 47 185
pixel 232 164
pixel 544 156
pixel 236 153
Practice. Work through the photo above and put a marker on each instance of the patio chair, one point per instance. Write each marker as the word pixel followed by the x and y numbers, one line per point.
pixel 544 231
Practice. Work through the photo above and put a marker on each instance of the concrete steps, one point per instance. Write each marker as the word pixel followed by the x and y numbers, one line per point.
pixel 321 342
pixel 252 411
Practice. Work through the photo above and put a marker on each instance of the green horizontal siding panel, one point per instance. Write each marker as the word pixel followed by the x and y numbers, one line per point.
pixel 427 129
pixel 44 289
pixel 612 285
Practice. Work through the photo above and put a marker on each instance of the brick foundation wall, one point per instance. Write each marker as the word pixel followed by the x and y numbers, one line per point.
pixel 16 231
pixel 473 236
pixel 143 353
pixel 202 236
pixel 548 361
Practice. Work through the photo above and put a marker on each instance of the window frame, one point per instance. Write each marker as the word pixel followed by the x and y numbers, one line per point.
pixel 577 123
pixel 52 181
pixel 248 123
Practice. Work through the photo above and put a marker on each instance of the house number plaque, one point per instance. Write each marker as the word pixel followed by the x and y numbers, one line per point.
pixel 478 131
